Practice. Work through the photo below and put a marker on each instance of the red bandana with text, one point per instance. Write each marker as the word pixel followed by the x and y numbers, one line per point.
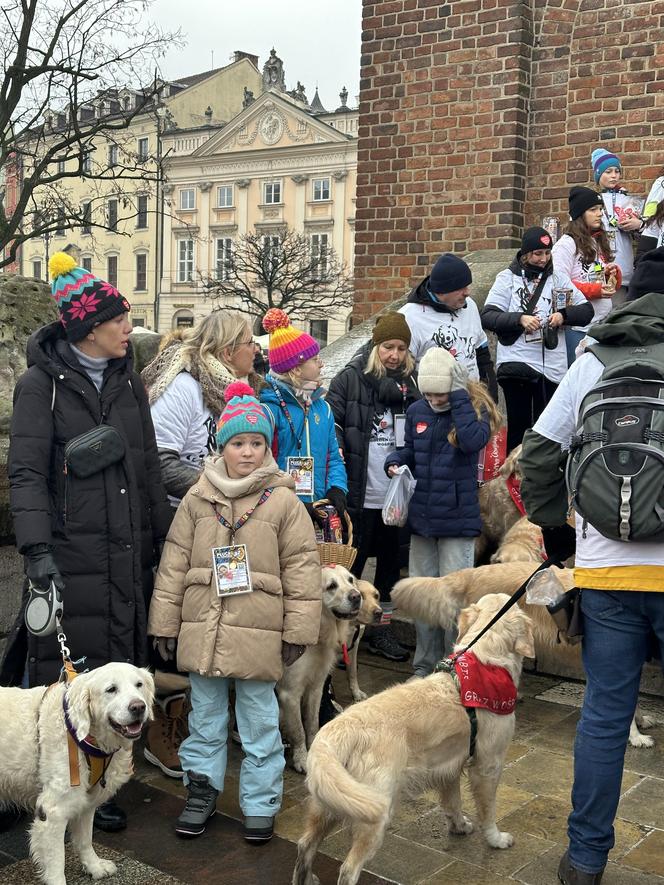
pixel 514 488
pixel 485 685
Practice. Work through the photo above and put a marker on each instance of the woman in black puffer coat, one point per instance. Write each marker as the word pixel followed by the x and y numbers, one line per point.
pixel 375 386
pixel 95 536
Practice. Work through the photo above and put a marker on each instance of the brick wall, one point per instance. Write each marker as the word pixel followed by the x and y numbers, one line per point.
pixel 476 118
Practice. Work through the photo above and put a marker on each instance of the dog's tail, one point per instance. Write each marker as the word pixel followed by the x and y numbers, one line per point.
pixel 432 600
pixel 330 783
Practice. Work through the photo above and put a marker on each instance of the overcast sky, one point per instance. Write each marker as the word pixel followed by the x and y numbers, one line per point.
pixel 318 42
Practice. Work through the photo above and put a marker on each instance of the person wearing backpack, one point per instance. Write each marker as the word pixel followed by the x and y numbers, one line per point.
pixel 606 421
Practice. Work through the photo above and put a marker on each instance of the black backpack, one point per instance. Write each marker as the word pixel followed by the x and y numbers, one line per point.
pixel 615 467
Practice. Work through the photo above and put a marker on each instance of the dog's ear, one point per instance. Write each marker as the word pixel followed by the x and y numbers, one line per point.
pixel 525 644
pixel 80 714
pixel 148 689
pixel 467 618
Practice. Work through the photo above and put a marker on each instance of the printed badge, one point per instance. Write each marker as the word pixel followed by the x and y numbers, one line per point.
pixel 421 426
pixel 302 471
pixel 231 570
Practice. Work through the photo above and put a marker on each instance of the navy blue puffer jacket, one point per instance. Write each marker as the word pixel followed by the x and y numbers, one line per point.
pixel 445 503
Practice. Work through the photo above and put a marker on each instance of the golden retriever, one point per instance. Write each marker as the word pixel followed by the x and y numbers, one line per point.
pixel 521 543
pixel 439 601
pixel 347 603
pixel 410 737
pixel 497 509
pixel 111 705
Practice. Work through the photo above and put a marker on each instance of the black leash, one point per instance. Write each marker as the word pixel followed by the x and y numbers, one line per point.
pixel 514 598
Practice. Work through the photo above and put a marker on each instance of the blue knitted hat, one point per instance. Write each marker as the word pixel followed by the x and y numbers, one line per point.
pixel 242 414
pixel 603 160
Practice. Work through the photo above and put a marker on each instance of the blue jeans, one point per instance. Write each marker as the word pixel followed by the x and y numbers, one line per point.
pixel 257 715
pixel 616 625
pixel 435 558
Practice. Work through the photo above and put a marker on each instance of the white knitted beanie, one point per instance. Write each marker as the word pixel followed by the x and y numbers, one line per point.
pixel 434 374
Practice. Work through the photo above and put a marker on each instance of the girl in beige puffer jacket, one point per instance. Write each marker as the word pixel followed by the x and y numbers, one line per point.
pixel 242 501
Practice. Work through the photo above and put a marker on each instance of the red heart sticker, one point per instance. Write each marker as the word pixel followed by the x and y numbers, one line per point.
pixel 546 240
pixel 252 419
pixel 421 426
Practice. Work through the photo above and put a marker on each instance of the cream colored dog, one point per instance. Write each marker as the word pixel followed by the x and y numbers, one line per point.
pixel 521 543
pixel 413 736
pixel 497 509
pixel 111 705
pixel 347 603
pixel 439 601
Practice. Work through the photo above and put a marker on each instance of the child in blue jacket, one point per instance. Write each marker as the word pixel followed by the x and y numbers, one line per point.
pixel 445 432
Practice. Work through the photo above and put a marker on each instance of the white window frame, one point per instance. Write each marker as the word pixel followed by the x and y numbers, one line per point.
pixel 137 288
pixel 113 155
pixel 86 212
pixel 61 167
pixel 35 262
pixel 86 262
pixel 185 260
pixel 320 245
pixel 187 204
pixel 109 275
pixel 109 213
pixel 223 255
pixel 225 196
pixel 320 190
pixel 272 189
pixel 143 148
pixel 271 245
pixel 86 162
pixel 140 197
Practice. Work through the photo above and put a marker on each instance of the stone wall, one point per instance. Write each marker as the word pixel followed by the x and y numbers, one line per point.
pixel 476 118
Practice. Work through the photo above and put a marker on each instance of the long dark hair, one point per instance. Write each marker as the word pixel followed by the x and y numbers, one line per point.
pixel 658 217
pixel 588 243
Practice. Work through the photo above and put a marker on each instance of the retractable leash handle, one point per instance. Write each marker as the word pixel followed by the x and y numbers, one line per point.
pixel 514 598
pixel 43 611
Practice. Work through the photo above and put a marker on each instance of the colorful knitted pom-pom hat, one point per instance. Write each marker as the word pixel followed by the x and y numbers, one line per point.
pixel 84 301
pixel 242 414
pixel 289 347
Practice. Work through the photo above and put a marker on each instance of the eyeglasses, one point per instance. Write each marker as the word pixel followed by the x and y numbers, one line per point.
pixel 244 343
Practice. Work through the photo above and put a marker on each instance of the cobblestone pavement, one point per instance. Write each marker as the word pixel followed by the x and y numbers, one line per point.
pixel 533 802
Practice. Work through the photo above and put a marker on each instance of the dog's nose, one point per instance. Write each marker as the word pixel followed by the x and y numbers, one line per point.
pixel 354 597
pixel 137 708
pixel 377 616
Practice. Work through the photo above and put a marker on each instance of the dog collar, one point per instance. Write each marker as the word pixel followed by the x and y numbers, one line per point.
pixel 97 760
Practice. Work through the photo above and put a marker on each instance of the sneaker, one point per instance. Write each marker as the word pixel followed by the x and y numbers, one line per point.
pixel 258 829
pixel 201 804
pixel 569 875
pixel 383 642
pixel 110 818
pixel 166 733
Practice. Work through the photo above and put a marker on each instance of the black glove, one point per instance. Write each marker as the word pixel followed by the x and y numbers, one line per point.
pixel 337 498
pixel 559 542
pixel 315 516
pixel 40 567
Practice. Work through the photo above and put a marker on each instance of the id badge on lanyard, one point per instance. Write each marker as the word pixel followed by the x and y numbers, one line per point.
pixel 301 469
pixel 231 570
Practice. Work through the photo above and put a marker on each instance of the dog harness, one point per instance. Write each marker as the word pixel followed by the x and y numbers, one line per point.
pixel 480 685
pixel 97 760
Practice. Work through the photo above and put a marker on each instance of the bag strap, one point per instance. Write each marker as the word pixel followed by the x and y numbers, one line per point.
pixel 535 297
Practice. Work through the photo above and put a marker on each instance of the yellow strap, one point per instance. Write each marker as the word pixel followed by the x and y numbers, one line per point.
pixel 74 772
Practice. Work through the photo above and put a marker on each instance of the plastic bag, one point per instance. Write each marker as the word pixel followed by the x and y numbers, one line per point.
pixel 399 492
pixel 544 588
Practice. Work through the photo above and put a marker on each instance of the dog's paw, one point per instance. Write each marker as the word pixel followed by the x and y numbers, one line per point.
pixel 100 868
pixel 360 695
pixel 496 839
pixel 460 826
pixel 641 740
pixel 643 720
pixel 300 759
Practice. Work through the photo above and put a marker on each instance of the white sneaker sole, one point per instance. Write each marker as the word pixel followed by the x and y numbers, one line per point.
pixel 169 772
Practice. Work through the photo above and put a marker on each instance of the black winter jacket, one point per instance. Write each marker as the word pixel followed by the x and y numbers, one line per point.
pixel 354 402
pixel 103 528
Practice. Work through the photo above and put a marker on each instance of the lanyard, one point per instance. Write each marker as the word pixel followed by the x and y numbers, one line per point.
pixel 611 219
pixel 245 516
pixel 287 414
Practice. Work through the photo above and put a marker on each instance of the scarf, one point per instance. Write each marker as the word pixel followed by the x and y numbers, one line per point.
pixel 303 395
pixel 485 685
pixel 212 376
pixel 388 389
pixel 267 474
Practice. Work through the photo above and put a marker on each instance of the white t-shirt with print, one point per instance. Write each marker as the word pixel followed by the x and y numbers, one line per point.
pixel 512 293
pixel 182 421
pixel 460 333
pixel 382 443
pixel 654 230
pixel 558 422
pixel 568 265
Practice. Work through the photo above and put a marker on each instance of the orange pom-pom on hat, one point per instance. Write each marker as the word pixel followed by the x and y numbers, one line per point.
pixel 289 347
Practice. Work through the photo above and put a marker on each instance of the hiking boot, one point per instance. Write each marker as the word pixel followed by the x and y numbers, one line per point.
pixel 201 804
pixel 382 641
pixel 166 733
pixel 110 818
pixel 258 829
pixel 569 875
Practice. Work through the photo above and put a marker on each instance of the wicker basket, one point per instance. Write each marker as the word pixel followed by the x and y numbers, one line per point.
pixel 337 554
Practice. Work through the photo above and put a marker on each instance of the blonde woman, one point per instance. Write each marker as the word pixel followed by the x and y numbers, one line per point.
pixel 185 385
pixel 369 398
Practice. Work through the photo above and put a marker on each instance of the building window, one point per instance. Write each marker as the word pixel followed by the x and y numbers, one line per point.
pixel 142 211
pixel 112 155
pixel 86 262
pixel 143 148
pixel 86 162
pixel 318 330
pixel 224 257
pixel 183 319
pixel 272 192
pixel 185 261
pixel 112 215
pixel 271 250
pixel 141 271
pixel 321 189
pixel 138 321
pixel 319 254
pixel 188 199
pixel 86 213
pixel 112 270
pixel 61 167
pixel 61 220
pixel 37 270
pixel 126 103
pixel 225 196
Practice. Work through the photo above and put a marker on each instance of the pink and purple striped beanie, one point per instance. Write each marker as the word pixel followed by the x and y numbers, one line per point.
pixel 289 347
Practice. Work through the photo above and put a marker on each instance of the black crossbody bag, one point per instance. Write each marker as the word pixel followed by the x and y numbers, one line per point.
pixel 507 339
